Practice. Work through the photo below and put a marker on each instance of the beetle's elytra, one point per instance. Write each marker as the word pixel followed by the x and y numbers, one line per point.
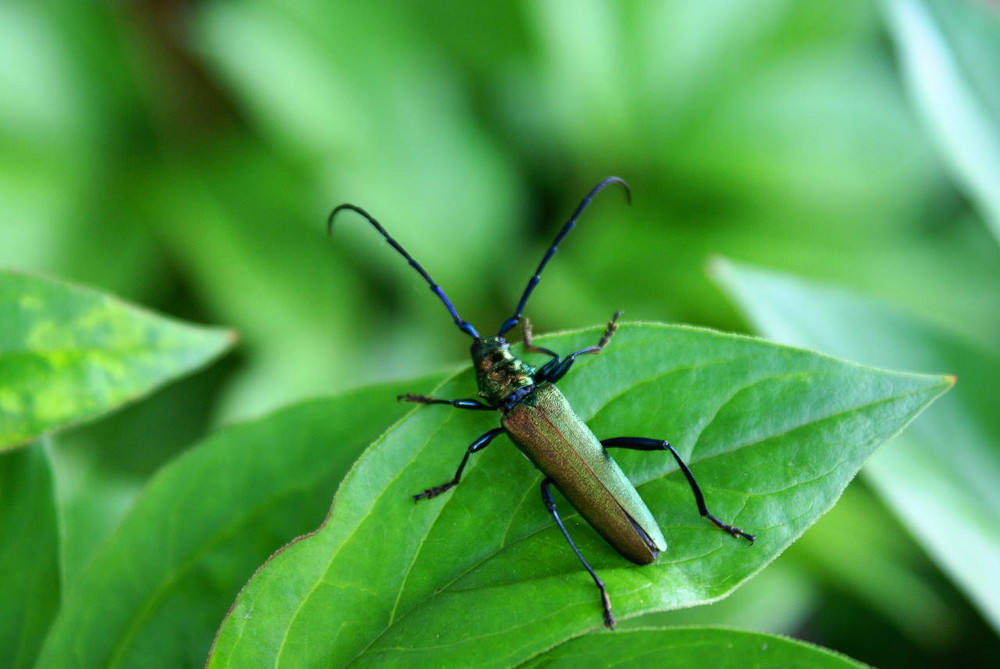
pixel 537 418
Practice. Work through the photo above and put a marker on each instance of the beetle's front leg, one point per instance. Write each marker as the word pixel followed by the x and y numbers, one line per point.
pixel 550 504
pixel 476 446
pixel 468 403
pixel 555 369
pixel 529 346
pixel 643 444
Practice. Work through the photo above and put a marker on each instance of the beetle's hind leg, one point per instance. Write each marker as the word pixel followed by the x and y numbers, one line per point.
pixel 468 403
pixel 643 444
pixel 550 504
pixel 476 446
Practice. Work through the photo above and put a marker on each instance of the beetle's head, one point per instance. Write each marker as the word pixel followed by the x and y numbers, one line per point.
pixel 487 346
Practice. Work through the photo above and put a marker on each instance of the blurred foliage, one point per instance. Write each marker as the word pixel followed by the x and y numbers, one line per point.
pixel 950 503
pixel 185 155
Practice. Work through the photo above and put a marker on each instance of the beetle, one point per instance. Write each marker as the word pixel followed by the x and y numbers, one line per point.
pixel 540 421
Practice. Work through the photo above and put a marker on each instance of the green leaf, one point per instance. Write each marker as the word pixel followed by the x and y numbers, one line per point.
pixel 779 600
pixel 29 554
pixel 941 476
pixel 950 52
pixel 690 647
pixel 482 577
pixel 204 523
pixel 68 354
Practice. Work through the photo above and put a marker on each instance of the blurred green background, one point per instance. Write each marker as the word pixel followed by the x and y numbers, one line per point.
pixel 185 156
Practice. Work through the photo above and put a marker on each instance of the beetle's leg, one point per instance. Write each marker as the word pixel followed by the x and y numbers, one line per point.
pixel 469 403
pixel 550 504
pixel 556 369
pixel 643 444
pixel 530 347
pixel 476 446
pixel 608 332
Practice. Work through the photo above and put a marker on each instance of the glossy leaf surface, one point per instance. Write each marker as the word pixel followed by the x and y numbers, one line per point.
pixel 481 576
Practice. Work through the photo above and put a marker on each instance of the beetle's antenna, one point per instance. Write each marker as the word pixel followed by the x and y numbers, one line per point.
pixel 464 326
pixel 513 320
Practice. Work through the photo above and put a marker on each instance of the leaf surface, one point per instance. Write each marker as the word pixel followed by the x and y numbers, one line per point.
pixel 68 354
pixel 482 577
pixel 155 591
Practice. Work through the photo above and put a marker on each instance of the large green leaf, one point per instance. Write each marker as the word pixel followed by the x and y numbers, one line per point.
pixel 941 476
pixel 29 554
pixel 68 354
pixel 950 52
pixel 690 647
pixel 482 576
pixel 156 590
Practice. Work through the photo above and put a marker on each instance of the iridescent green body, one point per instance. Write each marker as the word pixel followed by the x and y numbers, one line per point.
pixel 541 422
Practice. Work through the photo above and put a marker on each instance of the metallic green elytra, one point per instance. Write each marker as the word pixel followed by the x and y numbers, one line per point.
pixel 539 420
pixel 544 426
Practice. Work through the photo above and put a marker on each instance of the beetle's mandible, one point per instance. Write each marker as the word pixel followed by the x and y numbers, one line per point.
pixel 537 418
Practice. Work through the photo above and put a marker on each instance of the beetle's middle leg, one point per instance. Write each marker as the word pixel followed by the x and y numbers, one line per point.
pixel 476 446
pixel 643 444
pixel 550 504
pixel 555 369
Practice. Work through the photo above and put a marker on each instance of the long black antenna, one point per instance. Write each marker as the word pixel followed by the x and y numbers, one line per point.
pixel 513 320
pixel 464 326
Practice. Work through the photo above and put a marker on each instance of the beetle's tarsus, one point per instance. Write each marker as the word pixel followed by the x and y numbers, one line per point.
pixel 434 492
pixel 737 532
pixel 609 618
pixel 734 532
pixel 609 331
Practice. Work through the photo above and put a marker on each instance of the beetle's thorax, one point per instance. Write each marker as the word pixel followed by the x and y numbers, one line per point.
pixel 503 377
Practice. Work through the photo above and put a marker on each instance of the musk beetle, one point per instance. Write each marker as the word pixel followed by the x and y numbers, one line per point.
pixel 537 418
